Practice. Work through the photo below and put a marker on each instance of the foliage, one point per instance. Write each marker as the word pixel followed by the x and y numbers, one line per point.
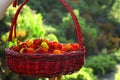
pixel 33 23
pixel 96 8
pixel 101 63
pixel 117 75
pixel 66 31
pixel 29 25
pixel 116 55
pixel 83 74
pixel 114 13
pixel 51 10
pixel 42 79
pixel 3 27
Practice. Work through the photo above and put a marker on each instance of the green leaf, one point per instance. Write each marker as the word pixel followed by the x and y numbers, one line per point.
pixel 15 41
pixel 34 35
pixel 9 44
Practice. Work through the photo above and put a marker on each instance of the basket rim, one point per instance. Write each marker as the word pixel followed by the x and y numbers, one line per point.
pixel 12 52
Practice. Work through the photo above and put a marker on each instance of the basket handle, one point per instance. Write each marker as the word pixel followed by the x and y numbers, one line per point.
pixel 13 25
pixel 15 3
pixel 76 23
pixel 66 5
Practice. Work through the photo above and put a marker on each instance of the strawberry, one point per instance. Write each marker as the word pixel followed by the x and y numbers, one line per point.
pixel 37 41
pixel 44 45
pixel 67 47
pixel 28 42
pixel 22 50
pixel 16 48
pixel 45 40
pixel 23 45
pixel 39 50
pixel 56 51
pixel 51 46
pixel 19 42
pixel 29 50
pixel 75 47
pixel 60 46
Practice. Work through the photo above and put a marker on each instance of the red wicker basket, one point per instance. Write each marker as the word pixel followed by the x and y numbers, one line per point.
pixel 45 65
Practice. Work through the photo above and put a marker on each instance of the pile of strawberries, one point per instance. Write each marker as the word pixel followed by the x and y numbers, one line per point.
pixel 39 46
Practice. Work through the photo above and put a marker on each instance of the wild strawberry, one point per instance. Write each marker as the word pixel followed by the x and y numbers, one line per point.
pixel 29 50
pixel 38 50
pixel 22 50
pixel 75 47
pixel 28 42
pixel 44 45
pixel 67 47
pixel 16 48
pixel 45 40
pixel 51 46
pixel 55 44
pixel 19 42
pixel 32 46
pixel 41 50
pixel 23 45
pixel 60 46
pixel 37 41
pixel 56 51
pixel 45 50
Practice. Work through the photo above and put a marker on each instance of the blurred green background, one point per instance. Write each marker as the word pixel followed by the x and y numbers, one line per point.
pixel 100 24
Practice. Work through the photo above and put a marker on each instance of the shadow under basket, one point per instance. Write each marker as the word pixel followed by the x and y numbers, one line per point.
pixel 43 64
